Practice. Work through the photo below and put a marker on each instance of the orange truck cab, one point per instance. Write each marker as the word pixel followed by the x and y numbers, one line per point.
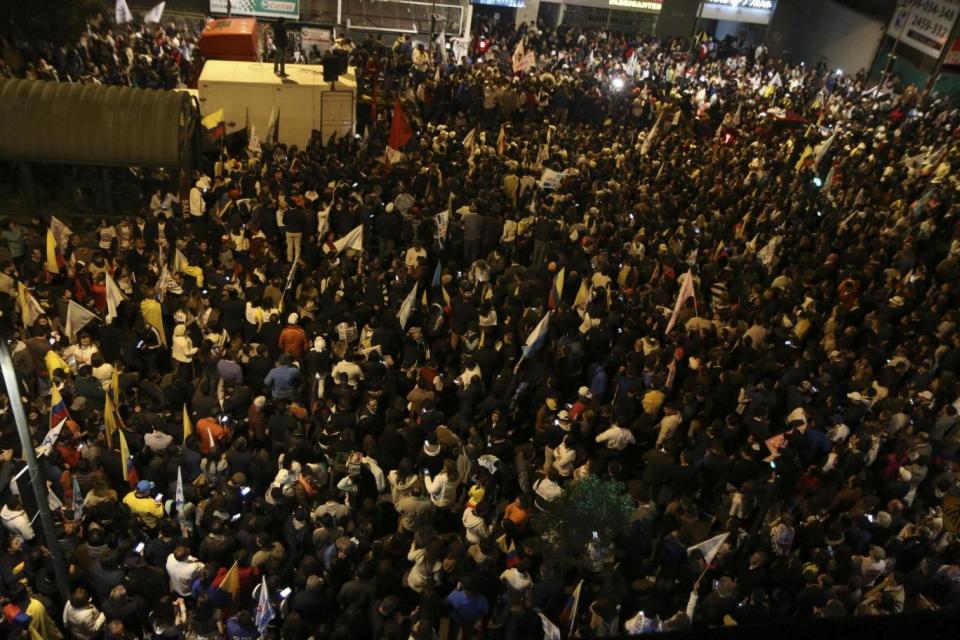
pixel 229 39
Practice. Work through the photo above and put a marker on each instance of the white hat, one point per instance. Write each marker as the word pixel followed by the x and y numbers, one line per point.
pixel 585 392
pixel 293 318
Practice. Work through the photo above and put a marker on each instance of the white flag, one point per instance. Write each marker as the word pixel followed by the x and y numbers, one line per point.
pixel 122 14
pixel 166 284
pixel 154 14
pixel 518 54
pixel 709 548
pixel 50 439
pixel 686 291
pixel 550 630
pixel 77 318
pixel 253 146
pixel 406 307
pixel 61 232
pixel 535 339
pixel 264 613
pixel 442 44
pixel 651 135
pixel 114 298
pixel 30 309
pixel 823 148
pixel 353 240
pixel 551 179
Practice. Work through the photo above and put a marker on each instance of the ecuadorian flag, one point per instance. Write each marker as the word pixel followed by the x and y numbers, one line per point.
pixel 58 409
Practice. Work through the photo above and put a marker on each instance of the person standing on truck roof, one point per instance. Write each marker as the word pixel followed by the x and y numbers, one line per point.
pixel 280 42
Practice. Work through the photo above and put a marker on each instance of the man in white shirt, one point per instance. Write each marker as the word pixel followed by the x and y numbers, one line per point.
pixel 183 569
pixel 616 438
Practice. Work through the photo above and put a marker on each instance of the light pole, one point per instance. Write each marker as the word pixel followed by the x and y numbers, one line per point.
pixel 36 479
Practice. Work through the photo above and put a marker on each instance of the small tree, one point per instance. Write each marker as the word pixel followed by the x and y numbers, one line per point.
pixel 594 510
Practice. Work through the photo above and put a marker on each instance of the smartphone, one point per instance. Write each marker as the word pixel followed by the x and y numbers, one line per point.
pixel 716 584
pixel 596 536
pixel 159 497
pixel 870 518
pixel 223 419
pixel 235 517
pixel 773 465
pixel 139 548
pixel 426 471
pixel 285 593
pixel 245 491
pixel 140 345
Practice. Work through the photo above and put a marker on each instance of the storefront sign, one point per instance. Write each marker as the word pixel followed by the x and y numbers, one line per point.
pixel 259 8
pixel 924 25
pixel 765 5
pixel 642 5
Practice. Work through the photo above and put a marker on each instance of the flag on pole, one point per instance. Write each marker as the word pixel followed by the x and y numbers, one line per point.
pixel 154 14
pixel 50 439
pixel 214 123
pixel 226 588
pixel 30 309
pixel 126 462
pixel 804 158
pixel 686 291
pixel 77 501
pixel 400 131
pixel 61 232
pixel 179 501
pixel 406 307
pixel 519 57
pixel 265 611
pixel 583 295
pixel 437 276
pixel 58 408
pixel 77 318
pixel 709 548
pixel 152 314
pixel 556 290
pixel 470 142
pixel 111 423
pixel 550 630
pixel 122 13
pixel 166 284
pixel 441 41
pixel 569 614
pixel 823 148
pixel 535 339
pixel 353 240
pixel 273 125
pixel 651 135
pixel 51 263
pixel 737 116
pixel 114 298
pixel 502 141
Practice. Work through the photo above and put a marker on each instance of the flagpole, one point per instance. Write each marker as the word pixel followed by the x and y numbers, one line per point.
pixel 36 478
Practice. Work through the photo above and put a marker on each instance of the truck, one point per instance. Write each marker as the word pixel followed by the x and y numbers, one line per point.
pixel 249 92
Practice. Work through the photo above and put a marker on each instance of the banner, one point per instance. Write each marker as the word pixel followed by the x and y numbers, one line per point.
pixel 311 37
pixel 289 9
pixel 924 25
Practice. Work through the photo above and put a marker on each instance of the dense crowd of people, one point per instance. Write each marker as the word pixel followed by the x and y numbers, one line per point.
pixel 725 285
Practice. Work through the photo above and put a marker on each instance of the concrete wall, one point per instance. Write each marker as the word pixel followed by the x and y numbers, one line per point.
pixel 677 18
pixel 822 28
pixel 528 13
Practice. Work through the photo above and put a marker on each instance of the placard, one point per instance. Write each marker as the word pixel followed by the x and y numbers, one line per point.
pixel 259 8
pixel 924 25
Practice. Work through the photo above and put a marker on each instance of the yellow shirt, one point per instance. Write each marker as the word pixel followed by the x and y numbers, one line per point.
pixel 652 401
pixel 147 509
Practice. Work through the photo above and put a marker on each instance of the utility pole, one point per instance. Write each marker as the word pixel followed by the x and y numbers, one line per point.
pixel 36 478
pixel 892 56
